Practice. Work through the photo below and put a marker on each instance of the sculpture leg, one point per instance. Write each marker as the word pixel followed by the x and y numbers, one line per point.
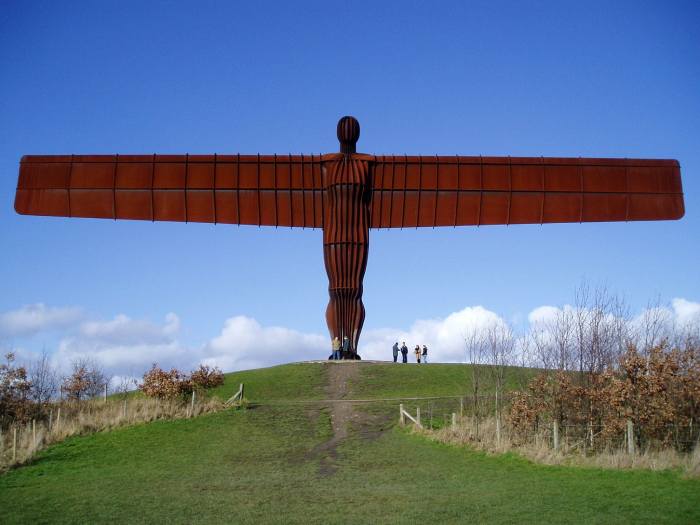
pixel 345 314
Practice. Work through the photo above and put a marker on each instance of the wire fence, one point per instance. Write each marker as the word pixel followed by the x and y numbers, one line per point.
pixel 586 437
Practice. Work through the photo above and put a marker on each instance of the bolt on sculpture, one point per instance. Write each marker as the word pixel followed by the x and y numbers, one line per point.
pixel 348 193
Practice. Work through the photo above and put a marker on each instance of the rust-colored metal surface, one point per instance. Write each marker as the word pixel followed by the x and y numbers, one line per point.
pixel 348 193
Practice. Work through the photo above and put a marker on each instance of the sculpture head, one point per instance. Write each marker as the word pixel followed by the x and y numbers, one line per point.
pixel 348 134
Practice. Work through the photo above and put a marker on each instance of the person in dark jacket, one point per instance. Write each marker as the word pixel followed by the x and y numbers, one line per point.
pixel 404 352
pixel 346 347
pixel 425 354
pixel 395 350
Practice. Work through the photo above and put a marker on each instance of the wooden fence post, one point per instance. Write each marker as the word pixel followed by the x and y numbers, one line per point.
pixel 454 422
pixel 418 416
pixel 555 432
pixel 461 407
pixel 34 432
pixel 402 420
pixel 14 444
pixel 58 417
pixel 241 389
pixel 125 409
pixel 104 397
pixel 50 419
pixel 192 405
pixel 498 421
pixel 630 437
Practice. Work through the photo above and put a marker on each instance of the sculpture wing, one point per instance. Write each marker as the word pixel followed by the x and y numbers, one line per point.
pixel 263 190
pixel 455 191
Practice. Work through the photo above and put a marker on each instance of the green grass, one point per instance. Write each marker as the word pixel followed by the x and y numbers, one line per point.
pixel 412 380
pixel 267 465
pixel 285 382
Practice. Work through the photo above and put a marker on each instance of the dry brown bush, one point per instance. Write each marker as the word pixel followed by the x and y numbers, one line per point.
pixel 658 392
pixel 15 388
pixel 206 377
pixel 164 385
pixel 168 385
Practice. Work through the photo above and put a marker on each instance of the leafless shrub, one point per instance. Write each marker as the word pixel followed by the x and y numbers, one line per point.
pixel 125 385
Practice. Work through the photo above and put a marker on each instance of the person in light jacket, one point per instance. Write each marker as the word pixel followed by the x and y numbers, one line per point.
pixel 417 352
pixel 425 354
pixel 336 348
pixel 395 350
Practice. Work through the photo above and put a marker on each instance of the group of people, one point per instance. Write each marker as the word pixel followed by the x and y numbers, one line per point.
pixel 421 355
pixel 341 348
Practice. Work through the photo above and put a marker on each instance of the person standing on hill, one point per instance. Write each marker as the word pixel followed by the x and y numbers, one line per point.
pixel 346 346
pixel 395 350
pixel 404 352
pixel 425 354
pixel 417 352
pixel 336 348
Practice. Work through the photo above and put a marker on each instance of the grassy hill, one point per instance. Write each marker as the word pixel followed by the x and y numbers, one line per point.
pixel 281 461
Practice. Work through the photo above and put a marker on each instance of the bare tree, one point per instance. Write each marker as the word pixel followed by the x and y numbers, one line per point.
pixel 562 330
pixel 125 385
pixel 475 346
pixel 43 378
pixel 552 341
pixel 500 346
pixel 539 345
pixel 654 327
pixel 601 329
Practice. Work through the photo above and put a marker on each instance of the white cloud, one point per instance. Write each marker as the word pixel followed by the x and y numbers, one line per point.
pixel 445 338
pixel 34 318
pixel 544 314
pixel 243 343
pixel 124 344
pixel 127 347
pixel 685 311
pixel 123 330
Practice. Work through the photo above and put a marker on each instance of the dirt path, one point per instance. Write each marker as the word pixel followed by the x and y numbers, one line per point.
pixel 342 414
pixel 339 374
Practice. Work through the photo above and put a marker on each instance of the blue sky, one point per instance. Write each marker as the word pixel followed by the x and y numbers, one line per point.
pixel 601 79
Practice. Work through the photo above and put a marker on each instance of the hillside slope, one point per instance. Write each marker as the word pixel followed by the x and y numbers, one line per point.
pixel 295 457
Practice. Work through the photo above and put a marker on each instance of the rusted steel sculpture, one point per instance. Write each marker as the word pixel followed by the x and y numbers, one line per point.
pixel 348 193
